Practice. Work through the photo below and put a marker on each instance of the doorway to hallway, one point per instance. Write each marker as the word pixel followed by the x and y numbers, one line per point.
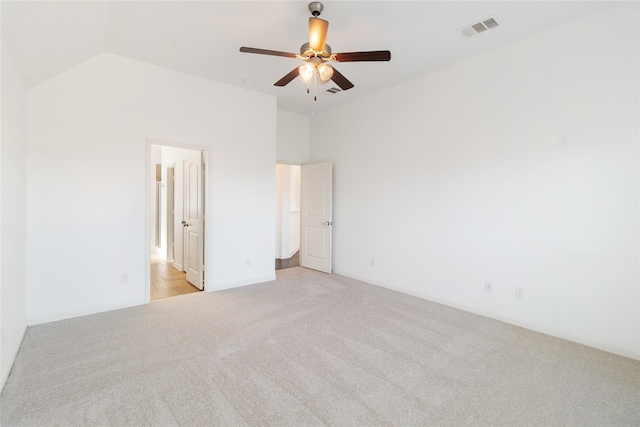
pixel 287 216
pixel 304 216
pixel 177 247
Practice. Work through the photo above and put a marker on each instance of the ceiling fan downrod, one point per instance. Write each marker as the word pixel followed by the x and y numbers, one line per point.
pixel 316 8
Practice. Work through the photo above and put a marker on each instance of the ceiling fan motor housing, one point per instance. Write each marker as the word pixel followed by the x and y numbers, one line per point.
pixel 306 51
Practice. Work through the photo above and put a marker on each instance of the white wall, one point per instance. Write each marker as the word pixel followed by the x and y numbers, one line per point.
pixel 518 167
pixel 87 154
pixel 13 211
pixel 292 138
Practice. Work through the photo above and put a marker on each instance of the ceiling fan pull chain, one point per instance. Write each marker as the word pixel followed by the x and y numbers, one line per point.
pixel 315 84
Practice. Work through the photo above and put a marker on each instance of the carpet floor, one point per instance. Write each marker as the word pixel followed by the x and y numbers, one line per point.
pixel 310 349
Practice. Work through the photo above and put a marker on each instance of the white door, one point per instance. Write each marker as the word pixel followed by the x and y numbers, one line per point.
pixel 192 222
pixel 315 216
pixel 171 210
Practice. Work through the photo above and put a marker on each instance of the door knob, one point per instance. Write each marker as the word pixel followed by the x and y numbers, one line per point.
pixel 328 223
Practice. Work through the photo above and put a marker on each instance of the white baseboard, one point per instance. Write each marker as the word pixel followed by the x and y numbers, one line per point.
pixel 247 282
pixel 506 319
pixel 12 358
pixel 38 320
pixel 289 255
pixel 293 253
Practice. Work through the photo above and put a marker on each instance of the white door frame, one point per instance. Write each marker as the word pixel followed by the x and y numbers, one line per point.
pixel 148 209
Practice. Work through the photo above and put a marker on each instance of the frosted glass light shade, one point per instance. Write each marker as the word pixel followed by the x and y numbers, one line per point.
pixel 306 72
pixel 317 33
pixel 325 72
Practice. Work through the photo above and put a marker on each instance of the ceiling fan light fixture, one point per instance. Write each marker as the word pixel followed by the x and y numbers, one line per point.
pixel 306 72
pixel 317 33
pixel 325 72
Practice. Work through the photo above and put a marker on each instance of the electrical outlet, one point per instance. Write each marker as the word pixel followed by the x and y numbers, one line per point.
pixel 519 293
pixel 373 262
pixel 124 278
pixel 248 262
pixel 488 287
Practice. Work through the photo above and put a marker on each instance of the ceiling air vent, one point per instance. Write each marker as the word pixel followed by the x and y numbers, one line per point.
pixel 334 90
pixel 479 27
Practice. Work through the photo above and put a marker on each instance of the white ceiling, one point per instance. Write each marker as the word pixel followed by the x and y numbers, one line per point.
pixel 203 37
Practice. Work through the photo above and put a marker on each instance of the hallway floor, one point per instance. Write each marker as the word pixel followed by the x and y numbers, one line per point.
pixel 166 280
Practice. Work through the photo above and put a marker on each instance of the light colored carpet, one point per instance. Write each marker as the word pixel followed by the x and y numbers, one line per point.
pixel 310 349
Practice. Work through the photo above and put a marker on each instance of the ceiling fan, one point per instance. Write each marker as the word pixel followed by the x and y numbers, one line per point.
pixel 316 53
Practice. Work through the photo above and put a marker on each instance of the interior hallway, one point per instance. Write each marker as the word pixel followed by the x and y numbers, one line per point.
pixel 166 280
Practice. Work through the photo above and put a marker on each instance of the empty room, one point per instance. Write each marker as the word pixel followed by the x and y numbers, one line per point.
pixel 344 213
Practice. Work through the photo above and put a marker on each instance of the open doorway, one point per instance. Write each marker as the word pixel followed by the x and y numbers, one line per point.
pixel 177 238
pixel 287 216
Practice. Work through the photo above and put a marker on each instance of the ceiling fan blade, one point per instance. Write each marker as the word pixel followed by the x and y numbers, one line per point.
pixel 267 52
pixel 317 33
pixel 376 55
pixel 341 80
pixel 288 78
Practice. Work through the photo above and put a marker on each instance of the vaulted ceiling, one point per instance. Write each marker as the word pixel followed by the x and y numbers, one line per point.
pixel 203 37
